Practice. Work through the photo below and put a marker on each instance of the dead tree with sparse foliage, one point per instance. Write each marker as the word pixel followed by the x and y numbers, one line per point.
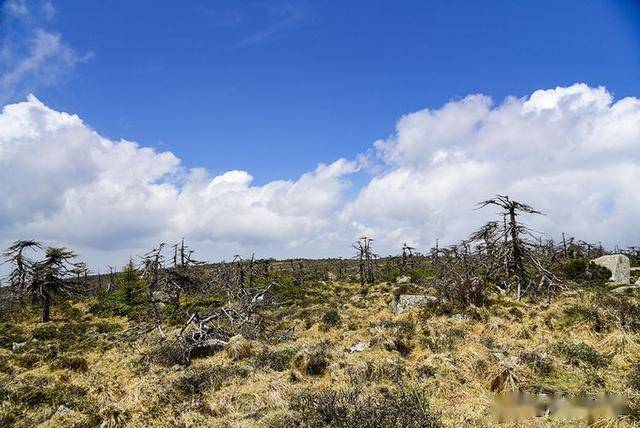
pixel 53 274
pixel 510 243
pixel 365 257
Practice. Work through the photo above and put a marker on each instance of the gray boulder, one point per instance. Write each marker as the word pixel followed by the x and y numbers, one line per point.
pixel 406 301
pixel 618 264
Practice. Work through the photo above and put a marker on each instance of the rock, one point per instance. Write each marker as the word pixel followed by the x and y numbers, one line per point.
pixel 359 347
pixel 618 264
pixel 404 279
pixel 178 367
pixel 626 288
pixel 161 298
pixel 332 276
pixel 18 345
pixel 63 410
pixel 406 301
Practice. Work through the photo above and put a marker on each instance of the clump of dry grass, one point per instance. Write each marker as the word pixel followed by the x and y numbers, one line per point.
pixel 239 348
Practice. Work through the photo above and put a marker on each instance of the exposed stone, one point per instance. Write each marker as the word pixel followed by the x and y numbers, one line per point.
pixel 626 288
pixel 403 279
pixel 359 347
pixel 332 276
pixel 406 301
pixel 618 264
pixel 63 410
pixel 18 345
pixel 178 367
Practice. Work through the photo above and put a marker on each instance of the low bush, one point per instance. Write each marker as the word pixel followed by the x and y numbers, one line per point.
pixel 580 353
pixel 331 318
pixel 278 360
pixel 125 301
pixel 606 311
pixel 400 327
pixel 397 407
pixel 10 333
pixel 314 361
pixel 198 380
pixel 582 270
pixel 537 361
pixel 73 363
pixel 393 371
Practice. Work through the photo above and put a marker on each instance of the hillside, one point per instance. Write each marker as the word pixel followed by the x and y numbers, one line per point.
pixel 326 354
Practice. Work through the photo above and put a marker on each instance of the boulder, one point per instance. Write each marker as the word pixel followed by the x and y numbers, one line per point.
pixel 406 301
pixel 618 264
pixel 404 279
pixel 332 276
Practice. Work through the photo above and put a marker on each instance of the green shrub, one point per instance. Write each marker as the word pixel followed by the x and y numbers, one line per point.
pixel 373 371
pixel 198 380
pixel 390 272
pixel 582 270
pixel 397 407
pixel 10 333
pixel 277 360
pixel 106 327
pixel 538 362
pixel 125 301
pixel 4 366
pixel 580 353
pixel 422 275
pixel 73 363
pixel 606 311
pixel 331 318
pixel 400 327
pixel 315 360
pixel 33 391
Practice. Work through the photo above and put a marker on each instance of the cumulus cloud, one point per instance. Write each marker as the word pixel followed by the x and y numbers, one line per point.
pixel 61 181
pixel 571 152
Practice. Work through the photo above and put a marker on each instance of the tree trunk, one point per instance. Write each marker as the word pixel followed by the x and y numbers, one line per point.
pixel 517 253
pixel 46 306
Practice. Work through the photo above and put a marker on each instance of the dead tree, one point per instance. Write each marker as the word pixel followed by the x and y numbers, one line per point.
pixel 40 279
pixel 407 257
pixel 509 243
pixel 205 334
pixel 365 257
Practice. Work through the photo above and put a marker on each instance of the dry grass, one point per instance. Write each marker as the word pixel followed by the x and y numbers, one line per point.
pixel 458 361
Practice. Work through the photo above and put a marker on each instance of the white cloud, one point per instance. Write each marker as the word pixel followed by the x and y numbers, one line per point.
pixel 571 152
pixel 30 55
pixel 63 182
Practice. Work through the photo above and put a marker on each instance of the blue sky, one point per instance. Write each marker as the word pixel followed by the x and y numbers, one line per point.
pixel 275 87
pixel 291 128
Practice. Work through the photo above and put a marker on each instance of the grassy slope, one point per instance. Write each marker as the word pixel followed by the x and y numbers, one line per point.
pixel 460 360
